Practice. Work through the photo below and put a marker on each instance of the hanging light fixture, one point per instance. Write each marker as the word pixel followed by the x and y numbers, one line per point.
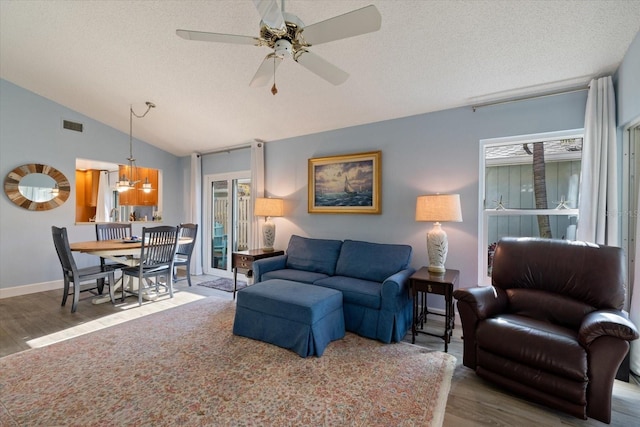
pixel 127 183
pixel 146 186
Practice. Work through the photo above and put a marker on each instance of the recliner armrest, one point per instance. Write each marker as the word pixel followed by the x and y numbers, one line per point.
pixel 395 290
pixel 266 265
pixel 606 323
pixel 484 301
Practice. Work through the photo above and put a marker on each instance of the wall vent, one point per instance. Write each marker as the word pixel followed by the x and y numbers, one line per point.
pixel 67 124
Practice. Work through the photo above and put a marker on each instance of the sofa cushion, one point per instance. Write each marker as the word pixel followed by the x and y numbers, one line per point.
pixel 294 275
pixel 355 291
pixel 372 261
pixel 317 255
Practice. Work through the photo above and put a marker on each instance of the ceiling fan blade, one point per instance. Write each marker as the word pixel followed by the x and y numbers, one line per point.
pixel 354 23
pixel 218 38
pixel 266 70
pixel 270 13
pixel 322 68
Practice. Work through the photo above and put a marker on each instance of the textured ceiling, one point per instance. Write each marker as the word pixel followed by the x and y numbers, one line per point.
pixel 98 57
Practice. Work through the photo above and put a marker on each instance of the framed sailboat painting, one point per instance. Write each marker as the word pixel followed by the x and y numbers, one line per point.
pixel 347 184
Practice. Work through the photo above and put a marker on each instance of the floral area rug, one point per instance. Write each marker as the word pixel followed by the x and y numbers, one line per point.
pixel 183 366
pixel 223 284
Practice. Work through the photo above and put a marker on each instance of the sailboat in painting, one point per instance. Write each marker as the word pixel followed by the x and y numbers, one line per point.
pixel 348 188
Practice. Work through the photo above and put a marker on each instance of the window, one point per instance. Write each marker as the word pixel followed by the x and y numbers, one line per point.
pixel 529 187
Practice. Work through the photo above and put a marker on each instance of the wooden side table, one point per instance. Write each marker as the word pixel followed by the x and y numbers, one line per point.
pixel 423 282
pixel 243 261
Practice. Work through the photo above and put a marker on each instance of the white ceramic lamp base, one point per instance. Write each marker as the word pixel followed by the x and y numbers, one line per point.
pixel 437 248
pixel 268 235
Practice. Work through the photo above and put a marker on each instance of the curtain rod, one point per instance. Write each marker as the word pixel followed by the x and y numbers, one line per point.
pixel 527 97
pixel 226 150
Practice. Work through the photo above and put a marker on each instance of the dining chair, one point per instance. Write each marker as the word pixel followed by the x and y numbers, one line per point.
pixel 157 254
pixel 75 275
pixel 112 231
pixel 183 252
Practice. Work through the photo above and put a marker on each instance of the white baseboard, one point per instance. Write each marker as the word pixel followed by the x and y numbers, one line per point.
pixel 30 289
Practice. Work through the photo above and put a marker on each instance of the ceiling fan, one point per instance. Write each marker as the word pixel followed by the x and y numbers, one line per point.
pixel 287 36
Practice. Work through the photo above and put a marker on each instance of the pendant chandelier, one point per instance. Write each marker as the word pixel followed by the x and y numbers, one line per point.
pixel 126 183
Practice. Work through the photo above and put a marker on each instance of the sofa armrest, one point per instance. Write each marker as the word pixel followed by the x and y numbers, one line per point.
pixel 484 301
pixel 611 323
pixel 395 290
pixel 266 265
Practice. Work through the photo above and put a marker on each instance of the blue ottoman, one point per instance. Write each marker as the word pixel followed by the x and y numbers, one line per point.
pixel 301 317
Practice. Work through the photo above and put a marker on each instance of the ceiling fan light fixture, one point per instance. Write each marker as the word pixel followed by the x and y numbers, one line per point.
pixel 283 48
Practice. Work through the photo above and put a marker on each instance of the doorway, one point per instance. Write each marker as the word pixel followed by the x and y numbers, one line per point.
pixel 228 200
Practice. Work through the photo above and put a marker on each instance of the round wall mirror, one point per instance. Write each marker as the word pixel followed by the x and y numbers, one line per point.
pixel 37 187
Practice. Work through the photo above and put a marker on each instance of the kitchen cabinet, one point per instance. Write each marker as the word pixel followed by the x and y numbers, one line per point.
pixel 86 194
pixel 92 179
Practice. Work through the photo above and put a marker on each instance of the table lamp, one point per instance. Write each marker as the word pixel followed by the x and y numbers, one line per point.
pixel 438 208
pixel 268 207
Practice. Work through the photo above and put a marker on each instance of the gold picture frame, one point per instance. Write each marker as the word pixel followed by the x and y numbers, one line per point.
pixel 347 184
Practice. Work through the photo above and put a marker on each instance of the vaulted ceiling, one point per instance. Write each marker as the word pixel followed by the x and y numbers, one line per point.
pixel 99 57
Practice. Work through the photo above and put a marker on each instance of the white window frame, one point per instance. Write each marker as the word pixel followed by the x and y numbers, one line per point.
pixel 630 181
pixel 230 177
pixel 485 214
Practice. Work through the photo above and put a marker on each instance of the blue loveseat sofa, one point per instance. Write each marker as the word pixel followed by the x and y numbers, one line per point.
pixel 373 279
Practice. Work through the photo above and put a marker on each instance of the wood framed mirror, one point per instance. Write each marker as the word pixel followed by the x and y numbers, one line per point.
pixel 37 187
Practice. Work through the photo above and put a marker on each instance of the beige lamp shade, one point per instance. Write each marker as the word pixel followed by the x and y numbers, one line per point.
pixel 438 208
pixel 269 207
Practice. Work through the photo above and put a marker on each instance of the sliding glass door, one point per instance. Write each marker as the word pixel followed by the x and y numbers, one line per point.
pixel 228 200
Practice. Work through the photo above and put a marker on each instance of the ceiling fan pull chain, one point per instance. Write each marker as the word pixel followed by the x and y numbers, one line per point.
pixel 274 89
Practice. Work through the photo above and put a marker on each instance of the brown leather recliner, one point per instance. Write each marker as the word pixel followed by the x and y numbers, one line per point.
pixel 550 328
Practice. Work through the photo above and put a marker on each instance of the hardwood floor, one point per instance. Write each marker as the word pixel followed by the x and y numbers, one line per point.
pixel 37 319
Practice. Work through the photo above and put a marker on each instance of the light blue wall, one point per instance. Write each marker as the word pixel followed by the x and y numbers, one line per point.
pixel 31 132
pixel 227 161
pixel 435 152
pixel 628 85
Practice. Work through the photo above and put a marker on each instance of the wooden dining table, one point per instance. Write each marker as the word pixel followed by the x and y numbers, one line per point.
pixel 116 250
pixel 121 251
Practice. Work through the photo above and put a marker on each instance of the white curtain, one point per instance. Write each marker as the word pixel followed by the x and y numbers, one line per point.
pixel 257 189
pixel 103 202
pixel 598 204
pixel 193 209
